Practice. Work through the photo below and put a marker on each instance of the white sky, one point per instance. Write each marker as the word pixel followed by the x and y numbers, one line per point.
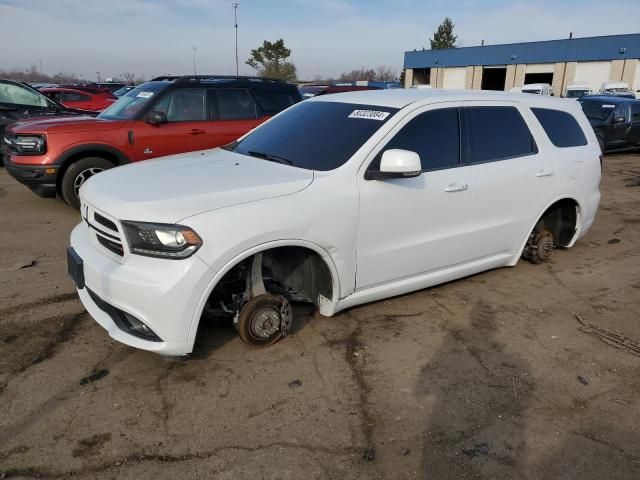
pixel 327 37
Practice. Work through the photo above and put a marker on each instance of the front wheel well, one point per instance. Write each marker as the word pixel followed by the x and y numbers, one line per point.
pixel 561 219
pixel 80 155
pixel 298 273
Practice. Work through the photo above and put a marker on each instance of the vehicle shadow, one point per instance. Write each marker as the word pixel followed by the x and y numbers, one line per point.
pixel 478 391
pixel 213 334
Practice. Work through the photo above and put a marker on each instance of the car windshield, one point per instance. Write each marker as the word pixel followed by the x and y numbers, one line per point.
pixel 11 93
pixel 129 105
pixel 535 92
pixel 315 135
pixel 121 91
pixel 575 93
pixel 597 110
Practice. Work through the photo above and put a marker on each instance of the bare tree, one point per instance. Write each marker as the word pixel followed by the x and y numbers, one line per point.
pixel 381 73
pixel 33 75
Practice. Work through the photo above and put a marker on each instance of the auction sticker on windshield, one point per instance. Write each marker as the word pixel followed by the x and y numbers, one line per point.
pixel 145 94
pixel 369 114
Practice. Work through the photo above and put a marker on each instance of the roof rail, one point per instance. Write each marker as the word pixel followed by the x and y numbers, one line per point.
pixel 197 78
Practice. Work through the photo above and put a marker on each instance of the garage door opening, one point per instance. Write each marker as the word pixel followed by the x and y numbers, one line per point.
pixel 493 78
pixel 530 78
pixel 421 76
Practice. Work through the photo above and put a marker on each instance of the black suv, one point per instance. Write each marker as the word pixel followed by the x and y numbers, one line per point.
pixel 615 121
pixel 19 101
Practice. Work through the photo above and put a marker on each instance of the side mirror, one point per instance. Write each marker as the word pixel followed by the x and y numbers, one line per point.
pixel 619 119
pixel 396 163
pixel 156 118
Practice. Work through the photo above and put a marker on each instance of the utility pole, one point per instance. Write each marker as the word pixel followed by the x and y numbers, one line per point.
pixel 98 75
pixel 194 61
pixel 41 71
pixel 235 6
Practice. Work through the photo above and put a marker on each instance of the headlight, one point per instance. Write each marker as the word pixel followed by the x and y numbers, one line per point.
pixel 161 241
pixel 27 144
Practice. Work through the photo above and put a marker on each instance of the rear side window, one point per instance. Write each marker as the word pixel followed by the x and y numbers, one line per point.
pixel 235 104
pixel 273 102
pixel 497 133
pixel 434 135
pixel 74 97
pixel 635 113
pixel 561 128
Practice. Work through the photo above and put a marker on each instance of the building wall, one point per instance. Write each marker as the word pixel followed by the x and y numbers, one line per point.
pixel 454 78
pixel 540 68
pixel 629 72
pixel 593 73
pixel 408 77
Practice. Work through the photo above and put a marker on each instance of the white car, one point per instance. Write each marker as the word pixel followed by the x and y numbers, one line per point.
pixel 339 200
pixel 537 89
pixel 577 90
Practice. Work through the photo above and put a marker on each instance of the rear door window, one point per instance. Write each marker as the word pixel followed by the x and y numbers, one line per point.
pixel 235 104
pixel 188 105
pixel 497 133
pixel 561 127
pixel 635 113
pixel 273 102
pixel 434 135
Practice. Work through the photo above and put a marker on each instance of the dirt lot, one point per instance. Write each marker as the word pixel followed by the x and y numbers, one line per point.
pixel 486 377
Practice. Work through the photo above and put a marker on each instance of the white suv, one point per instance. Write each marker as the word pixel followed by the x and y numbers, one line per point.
pixel 339 200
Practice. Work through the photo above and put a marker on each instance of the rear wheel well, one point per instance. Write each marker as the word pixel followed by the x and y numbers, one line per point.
pixel 297 273
pixel 78 156
pixel 561 219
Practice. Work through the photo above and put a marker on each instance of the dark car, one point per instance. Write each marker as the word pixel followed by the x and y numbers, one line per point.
pixel 19 101
pixel 615 121
pixel 165 116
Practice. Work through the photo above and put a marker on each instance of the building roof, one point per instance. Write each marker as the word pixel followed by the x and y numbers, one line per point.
pixel 611 47
pixel 399 98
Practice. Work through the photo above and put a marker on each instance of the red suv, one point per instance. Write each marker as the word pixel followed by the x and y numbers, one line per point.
pixel 82 98
pixel 165 116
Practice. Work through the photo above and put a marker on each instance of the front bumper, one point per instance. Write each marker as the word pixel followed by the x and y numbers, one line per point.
pixel 163 294
pixel 41 179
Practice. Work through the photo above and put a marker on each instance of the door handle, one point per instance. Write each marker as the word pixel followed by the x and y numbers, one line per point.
pixel 196 131
pixel 544 173
pixel 456 187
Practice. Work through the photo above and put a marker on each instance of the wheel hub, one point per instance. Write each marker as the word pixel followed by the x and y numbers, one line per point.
pixel 83 176
pixel 265 322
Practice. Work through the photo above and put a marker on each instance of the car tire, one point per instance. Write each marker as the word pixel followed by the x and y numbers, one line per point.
pixel 260 320
pixel 78 173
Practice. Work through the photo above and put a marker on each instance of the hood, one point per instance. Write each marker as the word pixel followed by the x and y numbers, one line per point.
pixel 66 124
pixel 172 188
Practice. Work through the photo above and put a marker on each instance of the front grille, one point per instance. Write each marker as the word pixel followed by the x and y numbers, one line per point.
pixel 105 230
pixel 105 222
pixel 110 245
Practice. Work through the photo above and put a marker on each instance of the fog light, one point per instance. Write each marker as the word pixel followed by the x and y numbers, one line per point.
pixel 138 327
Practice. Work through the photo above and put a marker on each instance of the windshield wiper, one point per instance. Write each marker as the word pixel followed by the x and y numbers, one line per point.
pixel 270 157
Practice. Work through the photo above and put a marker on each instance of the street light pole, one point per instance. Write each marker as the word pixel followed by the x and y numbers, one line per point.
pixel 235 6
pixel 194 61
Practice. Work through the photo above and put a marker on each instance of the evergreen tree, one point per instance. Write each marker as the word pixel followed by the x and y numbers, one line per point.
pixel 443 37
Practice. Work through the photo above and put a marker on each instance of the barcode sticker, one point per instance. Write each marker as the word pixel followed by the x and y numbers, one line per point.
pixel 369 114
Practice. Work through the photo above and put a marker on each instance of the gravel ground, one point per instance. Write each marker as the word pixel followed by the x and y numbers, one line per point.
pixel 486 377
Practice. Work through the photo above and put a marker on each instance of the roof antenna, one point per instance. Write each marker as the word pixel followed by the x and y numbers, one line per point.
pixel 570 35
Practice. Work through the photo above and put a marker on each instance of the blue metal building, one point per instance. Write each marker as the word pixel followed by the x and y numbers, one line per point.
pixel 591 60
